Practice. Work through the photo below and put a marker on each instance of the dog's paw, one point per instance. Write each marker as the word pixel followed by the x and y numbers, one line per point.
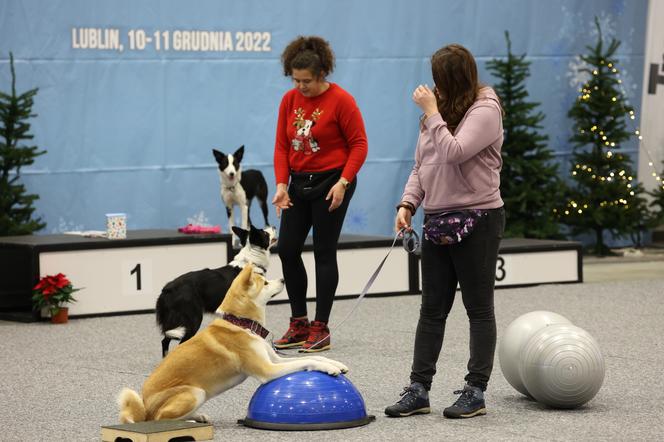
pixel 325 367
pixel 201 418
pixel 339 365
pixel 342 367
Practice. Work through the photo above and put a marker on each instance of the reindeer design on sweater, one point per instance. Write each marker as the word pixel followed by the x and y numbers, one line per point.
pixel 304 141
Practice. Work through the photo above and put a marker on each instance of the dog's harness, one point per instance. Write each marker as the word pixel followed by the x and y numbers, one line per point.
pixel 249 324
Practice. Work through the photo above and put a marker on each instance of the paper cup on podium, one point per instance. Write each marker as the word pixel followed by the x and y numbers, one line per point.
pixel 116 225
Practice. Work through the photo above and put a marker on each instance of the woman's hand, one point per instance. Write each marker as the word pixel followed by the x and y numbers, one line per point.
pixel 426 100
pixel 403 220
pixel 281 199
pixel 336 193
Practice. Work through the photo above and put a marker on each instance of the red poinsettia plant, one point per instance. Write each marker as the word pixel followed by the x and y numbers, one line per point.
pixel 52 291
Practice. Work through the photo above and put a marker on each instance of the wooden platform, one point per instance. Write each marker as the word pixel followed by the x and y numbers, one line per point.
pixel 127 275
pixel 157 431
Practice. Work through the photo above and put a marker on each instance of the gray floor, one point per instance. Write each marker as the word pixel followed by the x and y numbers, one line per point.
pixel 60 381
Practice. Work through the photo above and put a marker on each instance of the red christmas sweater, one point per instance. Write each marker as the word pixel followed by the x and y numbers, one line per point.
pixel 315 134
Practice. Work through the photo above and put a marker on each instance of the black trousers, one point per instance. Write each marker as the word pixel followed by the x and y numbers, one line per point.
pixel 296 222
pixel 472 264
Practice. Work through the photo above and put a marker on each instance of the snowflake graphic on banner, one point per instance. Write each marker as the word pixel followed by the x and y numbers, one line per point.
pixel 67 226
pixel 199 219
pixel 568 34
pixel 576 74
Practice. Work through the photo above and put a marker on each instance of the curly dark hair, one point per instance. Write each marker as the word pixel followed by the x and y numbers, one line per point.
pixel 312 53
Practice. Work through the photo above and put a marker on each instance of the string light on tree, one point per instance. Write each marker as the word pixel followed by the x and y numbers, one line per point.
pixel 632 116
pixel 605 197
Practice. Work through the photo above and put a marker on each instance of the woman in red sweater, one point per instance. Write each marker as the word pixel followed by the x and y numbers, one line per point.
pixel 320 146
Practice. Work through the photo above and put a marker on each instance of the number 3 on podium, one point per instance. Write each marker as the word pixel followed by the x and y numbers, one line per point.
pixel 500 269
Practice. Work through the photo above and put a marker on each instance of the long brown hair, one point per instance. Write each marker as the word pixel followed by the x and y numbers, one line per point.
pixel 454 73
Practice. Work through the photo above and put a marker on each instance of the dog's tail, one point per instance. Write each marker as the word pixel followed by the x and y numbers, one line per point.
pixel 131 406
pixel 176 333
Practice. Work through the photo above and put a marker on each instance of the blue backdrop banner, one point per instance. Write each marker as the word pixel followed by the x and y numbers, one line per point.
pixel 133 95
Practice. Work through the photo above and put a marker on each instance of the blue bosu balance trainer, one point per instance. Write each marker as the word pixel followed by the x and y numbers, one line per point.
pixel 307 400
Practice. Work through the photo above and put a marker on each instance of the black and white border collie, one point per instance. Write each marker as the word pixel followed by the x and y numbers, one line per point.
pixel 183 301
pixel 239 187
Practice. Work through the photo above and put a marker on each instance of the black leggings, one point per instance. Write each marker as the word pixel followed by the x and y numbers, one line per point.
pixel 295 225
pixel 471 264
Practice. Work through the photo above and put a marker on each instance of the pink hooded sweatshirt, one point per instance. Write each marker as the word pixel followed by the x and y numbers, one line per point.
pixel 460 171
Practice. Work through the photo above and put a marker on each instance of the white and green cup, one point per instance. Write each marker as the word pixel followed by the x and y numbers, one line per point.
pixel 116 225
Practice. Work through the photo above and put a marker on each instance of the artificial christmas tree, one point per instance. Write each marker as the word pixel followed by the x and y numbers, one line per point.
pixel 657 202
pixel 605 195
pixel 15 204
pixel 529 184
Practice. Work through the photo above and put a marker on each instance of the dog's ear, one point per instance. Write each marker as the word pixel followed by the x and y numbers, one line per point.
pixel 219 156
pixel 244 277
pixel 242 234
pixel 239 153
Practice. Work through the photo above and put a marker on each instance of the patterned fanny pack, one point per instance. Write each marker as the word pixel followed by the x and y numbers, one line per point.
pixel 451 227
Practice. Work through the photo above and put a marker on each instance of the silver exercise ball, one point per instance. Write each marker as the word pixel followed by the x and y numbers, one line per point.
pixel 516 335
pixel 562 366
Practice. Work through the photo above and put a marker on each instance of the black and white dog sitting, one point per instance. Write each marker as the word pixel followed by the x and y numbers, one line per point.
pixel 239 187
pixel 183 301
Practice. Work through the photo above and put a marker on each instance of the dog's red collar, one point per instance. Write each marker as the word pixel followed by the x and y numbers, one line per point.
pixel 249 324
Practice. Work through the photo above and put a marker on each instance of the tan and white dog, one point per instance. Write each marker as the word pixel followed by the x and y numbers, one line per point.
pixel 218 358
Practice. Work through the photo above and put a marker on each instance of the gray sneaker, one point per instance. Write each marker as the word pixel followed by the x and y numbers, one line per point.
pixel 414 400
pixel 469 404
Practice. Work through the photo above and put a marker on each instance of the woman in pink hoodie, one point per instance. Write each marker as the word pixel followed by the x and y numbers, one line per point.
pixel 457 173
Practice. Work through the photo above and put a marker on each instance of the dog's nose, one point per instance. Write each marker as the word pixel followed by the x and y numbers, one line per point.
pixel 281 280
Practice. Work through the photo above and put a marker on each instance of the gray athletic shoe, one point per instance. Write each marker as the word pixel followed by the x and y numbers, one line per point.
pixel 414 400
pixel 469 404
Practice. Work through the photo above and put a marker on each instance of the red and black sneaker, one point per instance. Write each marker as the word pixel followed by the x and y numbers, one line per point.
pixel 295 336
pixel 318 339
